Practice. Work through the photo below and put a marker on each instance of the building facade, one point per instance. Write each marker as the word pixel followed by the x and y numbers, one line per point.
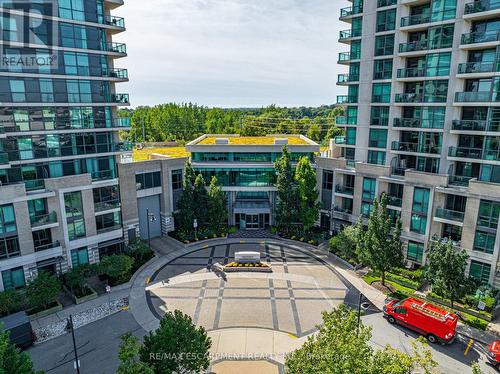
pixel 245 168
pixel 422 118
pixel 59 144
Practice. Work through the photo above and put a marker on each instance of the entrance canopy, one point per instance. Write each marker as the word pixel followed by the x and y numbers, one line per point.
pixel 252 207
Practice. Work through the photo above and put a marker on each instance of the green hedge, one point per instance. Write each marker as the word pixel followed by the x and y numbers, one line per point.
pixel 403 281
pixel 461 308
pixel 415 275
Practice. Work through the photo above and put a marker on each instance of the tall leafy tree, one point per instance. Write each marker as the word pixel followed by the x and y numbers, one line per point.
pixel 186 204
pixel 128 355
pixel 217 207
pixel 341 346
pixel 446 270
pixel 181 346
pixel 309 206
pixel 286 209
pixel 380 246
pixel 201 200
pixel 12 360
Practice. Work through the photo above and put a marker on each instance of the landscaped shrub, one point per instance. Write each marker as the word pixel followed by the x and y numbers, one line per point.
pixel 140 252
pixel 416 275
pixel 117 268
pixel 403 281
pixel 42 292
pixel 344 244
pixel 11 301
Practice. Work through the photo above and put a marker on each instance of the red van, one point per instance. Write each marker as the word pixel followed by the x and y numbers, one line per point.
pixel 494 353
pixel 436 324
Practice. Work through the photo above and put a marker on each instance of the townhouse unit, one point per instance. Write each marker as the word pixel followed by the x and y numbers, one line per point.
pixel 59 144
pixel 422 124
pixel 244 166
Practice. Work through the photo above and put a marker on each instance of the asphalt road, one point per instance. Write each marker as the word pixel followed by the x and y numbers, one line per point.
pixel 97 345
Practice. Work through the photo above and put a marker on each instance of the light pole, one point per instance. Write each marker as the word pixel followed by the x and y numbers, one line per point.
pixel 359 311
pixel 150 218
pixel 70 327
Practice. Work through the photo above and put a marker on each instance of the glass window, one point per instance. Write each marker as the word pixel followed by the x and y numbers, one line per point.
pixel 79 257
pixel 13 279
pixel 376 157
pixel 480 271
pixel 366 208
pixel 380 115
pixel 384 45
pixel 386 20
pixel 74 215
pixel 9 247
pixel 415 252
pixel 488 214
pixel 382 69
pixel 177 179
pixel 378 138
pixel 438 64
pixel 327 180
pixel 7 219
pixel 18 91
pixel 381 93
pixel 369 187
pixel 418 224
pixel 484 241
pixel 351 136
pixel 421 200
pixel 148 180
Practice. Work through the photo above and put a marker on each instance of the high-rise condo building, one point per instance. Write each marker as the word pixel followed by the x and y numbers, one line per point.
pixel 59 145
pixel 422 124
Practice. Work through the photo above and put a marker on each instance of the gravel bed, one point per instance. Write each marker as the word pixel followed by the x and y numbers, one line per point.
pixel 80 319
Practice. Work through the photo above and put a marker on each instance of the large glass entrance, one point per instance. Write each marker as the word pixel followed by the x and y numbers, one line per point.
pixel 252 221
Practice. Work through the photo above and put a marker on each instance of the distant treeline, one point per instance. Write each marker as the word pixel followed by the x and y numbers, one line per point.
pixel 185 122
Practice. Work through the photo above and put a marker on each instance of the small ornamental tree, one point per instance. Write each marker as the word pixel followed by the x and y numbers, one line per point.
pixel 309 207
pixel 380 246
pixel 217 204
pixel 446 270
pixel 344 244
pixel 12 360
pixel 43 290
pixel 116 267
pixel 181 346
pixel 286 209
pixel 128 354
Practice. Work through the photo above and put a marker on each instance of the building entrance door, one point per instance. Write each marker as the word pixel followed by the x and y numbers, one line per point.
pixel 252 221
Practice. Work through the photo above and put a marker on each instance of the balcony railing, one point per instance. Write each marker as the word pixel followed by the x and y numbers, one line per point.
pixel 347 78
pixel 481 6
pixel 117 73
pixel 120 98
pixel 424 45
pixel 427 18
pixel 382 3
pixel 47 246
pixel 115 21
pixel 346 190
pixel 351 10
pixel 109 229
pixel 480 37
pixel 449 214
pixel 34 184
pixel 347 99
pixel 491 154
pixel 419 98
pixel 117 48
pixel 342 210
pixel 347 56
pixel 459 180
pixel 417 123
pixel 394 201
pixel 465 152
pixel 478 67
pixel 106 205
pixel 415 147
pixel 122 122
pixel 44 219
pixel 347 34
pixel 474 97
pixel 124 147
pixel 471 125
pixel 411 73
pixel 340 140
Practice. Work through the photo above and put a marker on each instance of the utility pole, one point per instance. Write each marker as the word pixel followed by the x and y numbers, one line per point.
pixel 70 326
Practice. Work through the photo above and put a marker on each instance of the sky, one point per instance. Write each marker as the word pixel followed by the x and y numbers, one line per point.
pixel 232 53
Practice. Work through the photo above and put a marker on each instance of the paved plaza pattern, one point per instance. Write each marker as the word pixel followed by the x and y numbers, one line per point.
pixel 290 299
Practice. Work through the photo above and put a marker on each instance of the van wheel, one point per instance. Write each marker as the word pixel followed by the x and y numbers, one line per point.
pixel 391 320
pixel 432 339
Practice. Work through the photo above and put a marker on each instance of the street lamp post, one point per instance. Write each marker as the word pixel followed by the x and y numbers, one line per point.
pixel 150 218
pixel 70 327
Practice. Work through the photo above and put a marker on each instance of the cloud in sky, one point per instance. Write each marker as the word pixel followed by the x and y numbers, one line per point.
pixel 232 53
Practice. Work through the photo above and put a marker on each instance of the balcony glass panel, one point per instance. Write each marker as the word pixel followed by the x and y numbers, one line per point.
pixel 470 125
pixel 464 152
pixel 480 37
pixel 450 214
pixel 478 67
pixel 481 6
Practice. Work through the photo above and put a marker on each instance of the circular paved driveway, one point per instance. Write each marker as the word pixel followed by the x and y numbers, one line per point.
pixel 290 299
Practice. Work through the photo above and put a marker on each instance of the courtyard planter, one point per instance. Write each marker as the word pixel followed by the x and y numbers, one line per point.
pixel 234 267
pixel 35 313
pixel 90 294
pixel 484 315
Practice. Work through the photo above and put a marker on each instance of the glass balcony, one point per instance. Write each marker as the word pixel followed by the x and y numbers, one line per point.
pixel 347 78
pixel 382 3
pixel 345 57
pixel 45 247
pixel 124 147
pixel 470 125
pixel 103 175
pixel 480 37
pixel 4 158
pixel 415 148
pixel 117 73
pixel 44 219
pixel 340 140
pixel 481 6
pixel 411 73
pixel 122 122
pixel 424 45
pixel 451 215
pixel 341 120
pixel 465 152
pixel 394 201
pixel 347 34
pixel 427 18
pixel 459 180
pixel 34 184
pixel 417 123
pixel 351 10
pixel 120 98
pixel 115 21
pixel 491 154
pixel 396 170
pixel 473 97
pixel 478 67
pixel 109 229
pixel 344 190
pixel 419 98
pixel 347 99
pixel 106 205
pixel 117 48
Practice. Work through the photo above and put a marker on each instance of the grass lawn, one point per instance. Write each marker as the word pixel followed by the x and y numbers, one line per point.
pixel 400 291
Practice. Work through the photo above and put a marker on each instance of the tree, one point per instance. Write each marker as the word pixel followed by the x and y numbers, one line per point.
pixel 344 244
pixel 186 205
pixel 314 132
pixel 181 345
pixel 217 209
pixel 286 209
pixel 43 290
pixel 12 360
pixel 11 301
pixel 309 206
pixel 200 199
pixel 116 267
pixel 341 346
pixel 128 354
pixel 446 270
pixel 380 246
